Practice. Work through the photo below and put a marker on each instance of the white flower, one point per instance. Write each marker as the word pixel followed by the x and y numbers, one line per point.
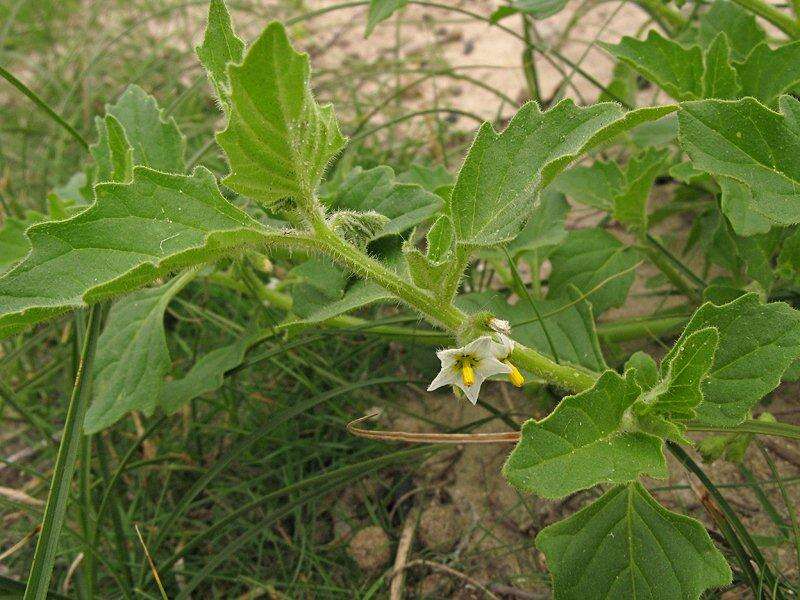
pixel 468 367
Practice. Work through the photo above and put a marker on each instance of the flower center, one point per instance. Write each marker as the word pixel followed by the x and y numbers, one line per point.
pixel 466 365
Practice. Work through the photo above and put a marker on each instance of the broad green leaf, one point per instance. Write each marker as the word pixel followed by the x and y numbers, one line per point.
pixel 584 442
pixel 404 204
pixel 569 323
pixel 429 178
pixel 499 182
pixel 113 154
pixel 768 73
pixel 358 295
pixel 380 10
pixel 685 73
pixel 133 234
pixel 676 69
pixel 755 147
pixel 14 245
pixel 220 48
pixel 315 284
pixel 207 374
pixel 156 143
pixel 594 185
pixel 738 204
pixel 738 24
pixel 757 343
pixel 630 201
pixel 278 140
pixel 132 356
pixel 593 261
pixel 626 545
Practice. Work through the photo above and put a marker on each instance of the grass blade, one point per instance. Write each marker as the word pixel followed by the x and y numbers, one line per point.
pixel 47 544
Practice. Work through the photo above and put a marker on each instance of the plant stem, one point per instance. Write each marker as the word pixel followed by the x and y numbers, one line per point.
pixel 660 11
pixel 753 426
pixel 657 257
pixel 633 329
pixel 53 520
pixel 780 19
pixel 360 263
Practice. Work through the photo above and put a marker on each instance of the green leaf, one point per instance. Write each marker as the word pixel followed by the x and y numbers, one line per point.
pixel 589 259
pixel 676 69
pixel 594 185
pixel 380 10
pixel 756 148
pixel 207 374
pixel 757 343
pixel 429 270
pixel 569 323
pixel 645 370
pixel 133 234
pixel 584 442
pixel 538 9
pixel 14 244
pixel 682 373
pixel 738 24
pixel 429 178
pixel 685 73
pixel 545 230
pixel 358 295
pixel 132 356
pixel 630 201
pixel 738 205
pixel 156 143
pixel 404 204
pixel 499 182
pixel 278 140
pixel 315 284
pixel 768 73
pixel 220 48
pixel 113 154
pixel 626 545
pixel 720 78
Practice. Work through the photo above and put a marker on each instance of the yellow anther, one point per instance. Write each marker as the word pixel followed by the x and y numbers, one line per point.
pixel 515 376
pixel 467 374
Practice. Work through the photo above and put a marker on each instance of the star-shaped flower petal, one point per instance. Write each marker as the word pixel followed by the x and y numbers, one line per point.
pixel 468 367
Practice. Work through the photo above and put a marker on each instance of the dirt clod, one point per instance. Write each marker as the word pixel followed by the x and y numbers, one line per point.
pixel 438 527
pixel 370 548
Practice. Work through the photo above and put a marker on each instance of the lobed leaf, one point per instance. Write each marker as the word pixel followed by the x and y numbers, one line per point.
pixel 757 343
pixel 278 139
pixel 498 184
pixel 738 24
pixel 768 73
pixel 132 356
pixel 585 441
pixel 131 235
pixel 757 149
pixel 626 545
